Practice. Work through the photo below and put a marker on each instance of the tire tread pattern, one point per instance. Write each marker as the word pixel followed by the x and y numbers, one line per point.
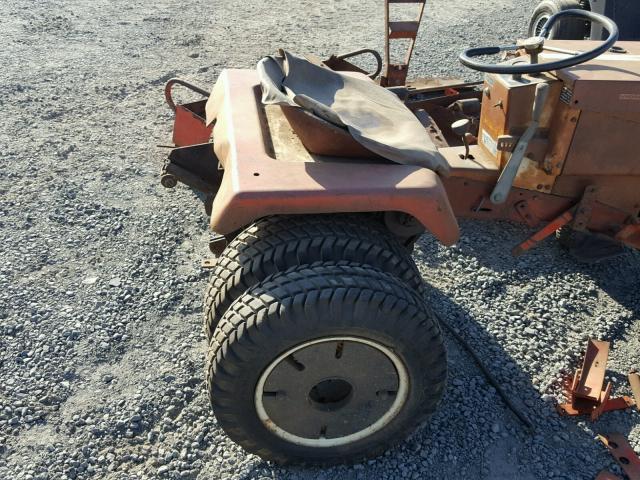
pixel 274 244
pixel 291 300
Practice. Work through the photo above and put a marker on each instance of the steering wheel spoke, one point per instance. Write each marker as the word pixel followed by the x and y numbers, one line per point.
pixel 561 50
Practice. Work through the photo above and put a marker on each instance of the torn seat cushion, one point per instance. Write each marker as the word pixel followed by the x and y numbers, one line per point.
pixel 375 117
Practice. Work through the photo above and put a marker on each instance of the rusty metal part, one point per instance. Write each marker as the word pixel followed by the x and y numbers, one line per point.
pixel 195 165
pixel 168 89
pixel 469 107
pixel 617 191
pixel 584 407
pixel 585 209
pixel 543 233
pixel 505 116
pixel 443 116
pixel 256 183
pixel 634 381
pixel 189 125
pixel 507 143
pixel 322 137
pixel 396 72
pixel 603 401
pixel 559 165
pixel 594 367
pixel 432 128
pixel 402 225
pixel 339 63
pixel 512 166
pixel 586 393
pixel 418 86
pixel 588 141
pixel 608 83
pixel 507 106
pixel 208 263
pixel 615 156
pixel 623 453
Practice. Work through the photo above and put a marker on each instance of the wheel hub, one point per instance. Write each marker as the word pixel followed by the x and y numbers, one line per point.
pixel 331 394
pixel 331 391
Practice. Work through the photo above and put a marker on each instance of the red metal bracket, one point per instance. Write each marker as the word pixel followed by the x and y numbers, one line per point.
pixel 586 393
pixel 619 447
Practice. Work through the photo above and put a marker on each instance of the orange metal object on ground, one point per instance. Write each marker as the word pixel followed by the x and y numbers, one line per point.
pixel 586 393
pixel 624 454
pixel 594 367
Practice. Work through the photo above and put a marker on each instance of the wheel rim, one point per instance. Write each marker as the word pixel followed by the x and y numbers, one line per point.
pixel 539 23
pixel 331 391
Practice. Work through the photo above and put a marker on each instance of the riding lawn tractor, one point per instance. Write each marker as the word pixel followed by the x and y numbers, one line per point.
pixel 319 179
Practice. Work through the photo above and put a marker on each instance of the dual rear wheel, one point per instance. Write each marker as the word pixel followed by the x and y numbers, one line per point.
pixel 322 348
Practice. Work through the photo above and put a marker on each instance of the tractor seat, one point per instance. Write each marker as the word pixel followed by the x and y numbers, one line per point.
pixel 344 115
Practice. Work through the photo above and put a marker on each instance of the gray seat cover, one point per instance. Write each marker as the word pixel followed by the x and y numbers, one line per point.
pixel 374 116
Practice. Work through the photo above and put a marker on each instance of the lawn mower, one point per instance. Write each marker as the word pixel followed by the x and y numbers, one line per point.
pixel 318 180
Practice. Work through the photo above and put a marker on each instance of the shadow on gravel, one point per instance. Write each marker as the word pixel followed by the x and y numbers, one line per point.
pixel 553 435
pixel 619 277
pixel 546 278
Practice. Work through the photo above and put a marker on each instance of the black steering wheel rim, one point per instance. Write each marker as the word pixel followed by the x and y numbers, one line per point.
pixel 467 57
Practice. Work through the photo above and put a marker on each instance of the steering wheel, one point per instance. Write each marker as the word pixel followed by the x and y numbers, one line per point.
pixel 534 45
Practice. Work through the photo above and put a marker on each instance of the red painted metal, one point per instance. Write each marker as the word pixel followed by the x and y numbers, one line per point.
pixel 256 184
pixel 624 454
pixel 189 126
pixel 543 233
pixel 593 370
pixel 586 394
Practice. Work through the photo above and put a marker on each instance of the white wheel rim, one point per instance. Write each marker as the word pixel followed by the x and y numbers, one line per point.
pixel 389 415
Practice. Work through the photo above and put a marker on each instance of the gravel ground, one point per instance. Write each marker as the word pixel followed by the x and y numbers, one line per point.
pixel 101 346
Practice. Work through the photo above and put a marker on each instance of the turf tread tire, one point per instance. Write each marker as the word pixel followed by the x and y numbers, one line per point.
pixel 290 308
pixel 274 244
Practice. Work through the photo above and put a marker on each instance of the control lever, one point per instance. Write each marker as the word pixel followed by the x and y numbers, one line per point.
pixel 508 175
pixel 461 128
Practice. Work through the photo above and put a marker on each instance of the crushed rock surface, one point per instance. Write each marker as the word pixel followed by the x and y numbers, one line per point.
pixel 101 345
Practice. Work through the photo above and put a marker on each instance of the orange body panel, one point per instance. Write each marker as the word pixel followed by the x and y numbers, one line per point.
pixel 189 125
pixel 256 184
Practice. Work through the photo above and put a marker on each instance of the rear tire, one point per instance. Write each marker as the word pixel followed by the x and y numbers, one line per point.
pixel 277 243
pixel 369 365
pixel 566 29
